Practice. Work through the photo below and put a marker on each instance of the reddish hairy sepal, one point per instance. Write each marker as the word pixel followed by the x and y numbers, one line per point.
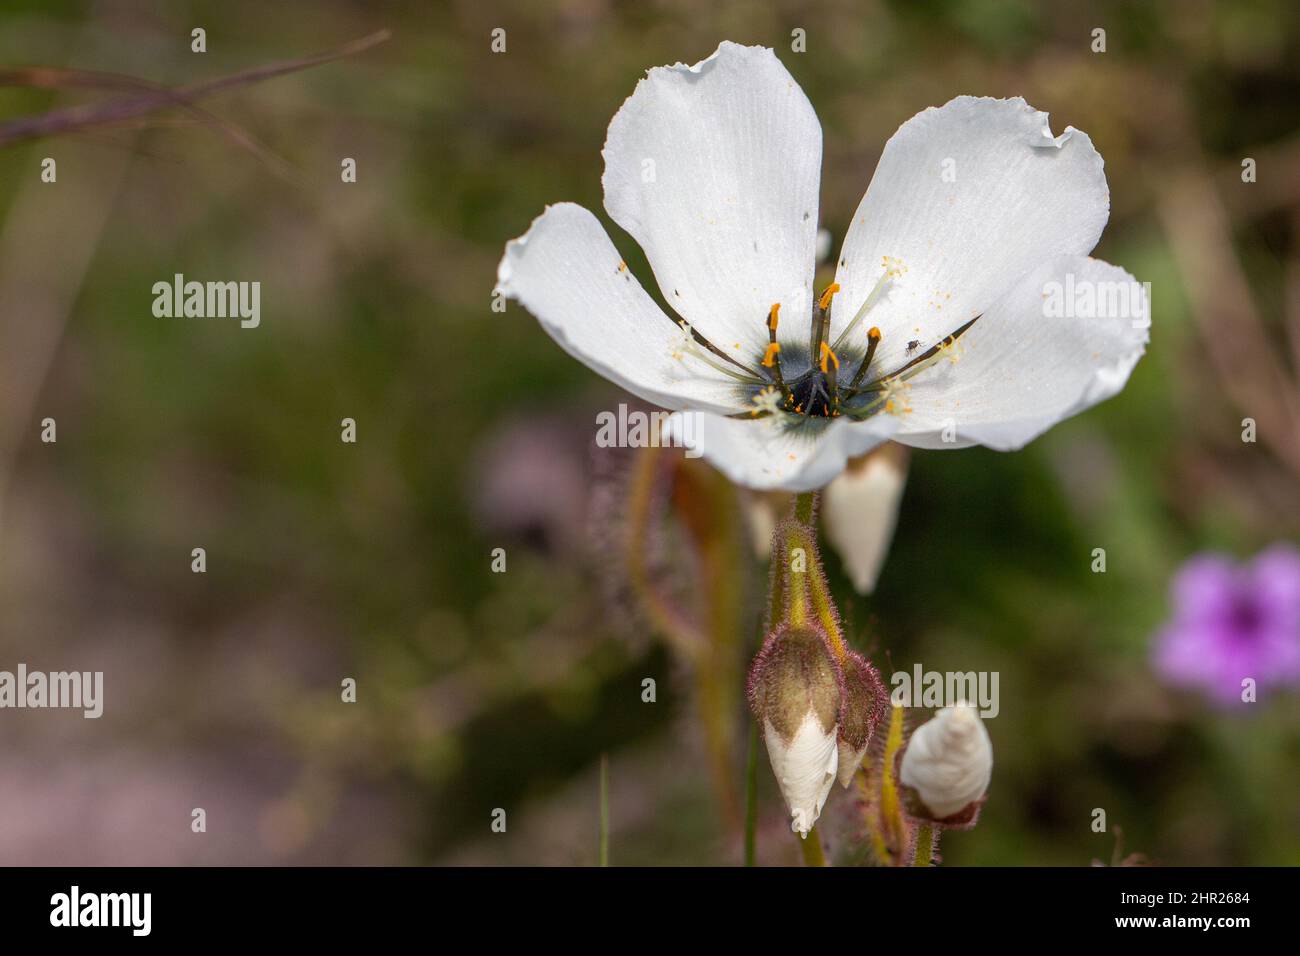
pixel 865 700
pixel 963 819
pixel 795 672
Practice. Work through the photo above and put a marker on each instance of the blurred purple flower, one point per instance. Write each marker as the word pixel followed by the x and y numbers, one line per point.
pixel 1233 621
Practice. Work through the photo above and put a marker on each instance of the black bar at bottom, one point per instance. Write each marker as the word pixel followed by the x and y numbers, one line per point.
pixel 582 906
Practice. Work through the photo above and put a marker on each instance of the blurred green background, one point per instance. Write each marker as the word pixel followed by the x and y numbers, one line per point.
pixel 479 690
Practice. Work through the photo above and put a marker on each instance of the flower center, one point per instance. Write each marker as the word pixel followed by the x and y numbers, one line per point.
pixel 818 390
pixel 812 395
pixel 810 386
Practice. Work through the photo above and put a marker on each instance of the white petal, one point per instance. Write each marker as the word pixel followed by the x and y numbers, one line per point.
pixel 1019 371
pixel 970 196
pixel 714 170
pixel 766 453
pixel 949 760
pixel 805 769
pixel 860 509
pixel 568 274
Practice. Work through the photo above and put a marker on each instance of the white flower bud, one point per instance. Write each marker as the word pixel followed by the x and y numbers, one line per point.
pixel 949 761
pixel 794 690
pixel 805 769
pixel 860 509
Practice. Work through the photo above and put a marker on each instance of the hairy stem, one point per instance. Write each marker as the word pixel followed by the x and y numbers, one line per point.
pixel 805 506
pixel 891 807
pixel 815 590
pixel 924 846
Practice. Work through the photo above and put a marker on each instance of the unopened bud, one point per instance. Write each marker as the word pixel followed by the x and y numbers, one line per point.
pixel 861 710
pixel 860 509
pixel 794 689
pixel 948 764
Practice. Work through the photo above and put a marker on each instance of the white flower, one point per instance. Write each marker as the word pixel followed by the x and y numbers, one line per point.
pixel 976 212
pixel 949 761
pixel 805 768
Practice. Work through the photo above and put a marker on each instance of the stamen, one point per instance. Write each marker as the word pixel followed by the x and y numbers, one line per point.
pixel 891 399
pixel 821 323
pixel 894 269
pixel 772 357
pixel 934 350
pixel 924 360
pixel 767 402
pixel 873 340
pixel 830 366
pixel 895 398
pixel 825 302
pixel 689 344
pixel 952 348
pixel 828 356
pixel 704 357
pixel 683 345
pixel 699 339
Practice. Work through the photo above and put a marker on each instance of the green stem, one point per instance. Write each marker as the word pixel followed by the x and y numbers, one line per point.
pixel 805 504
pixel 891 810
pixel 811 846
pixel 875 834
pixel 775 585
pixel 924 846
pixel 604 809
pixel 791 584
pixel 751 795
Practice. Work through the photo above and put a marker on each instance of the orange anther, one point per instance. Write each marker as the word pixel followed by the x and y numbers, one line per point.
pixel 828 356
pixel 825 302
